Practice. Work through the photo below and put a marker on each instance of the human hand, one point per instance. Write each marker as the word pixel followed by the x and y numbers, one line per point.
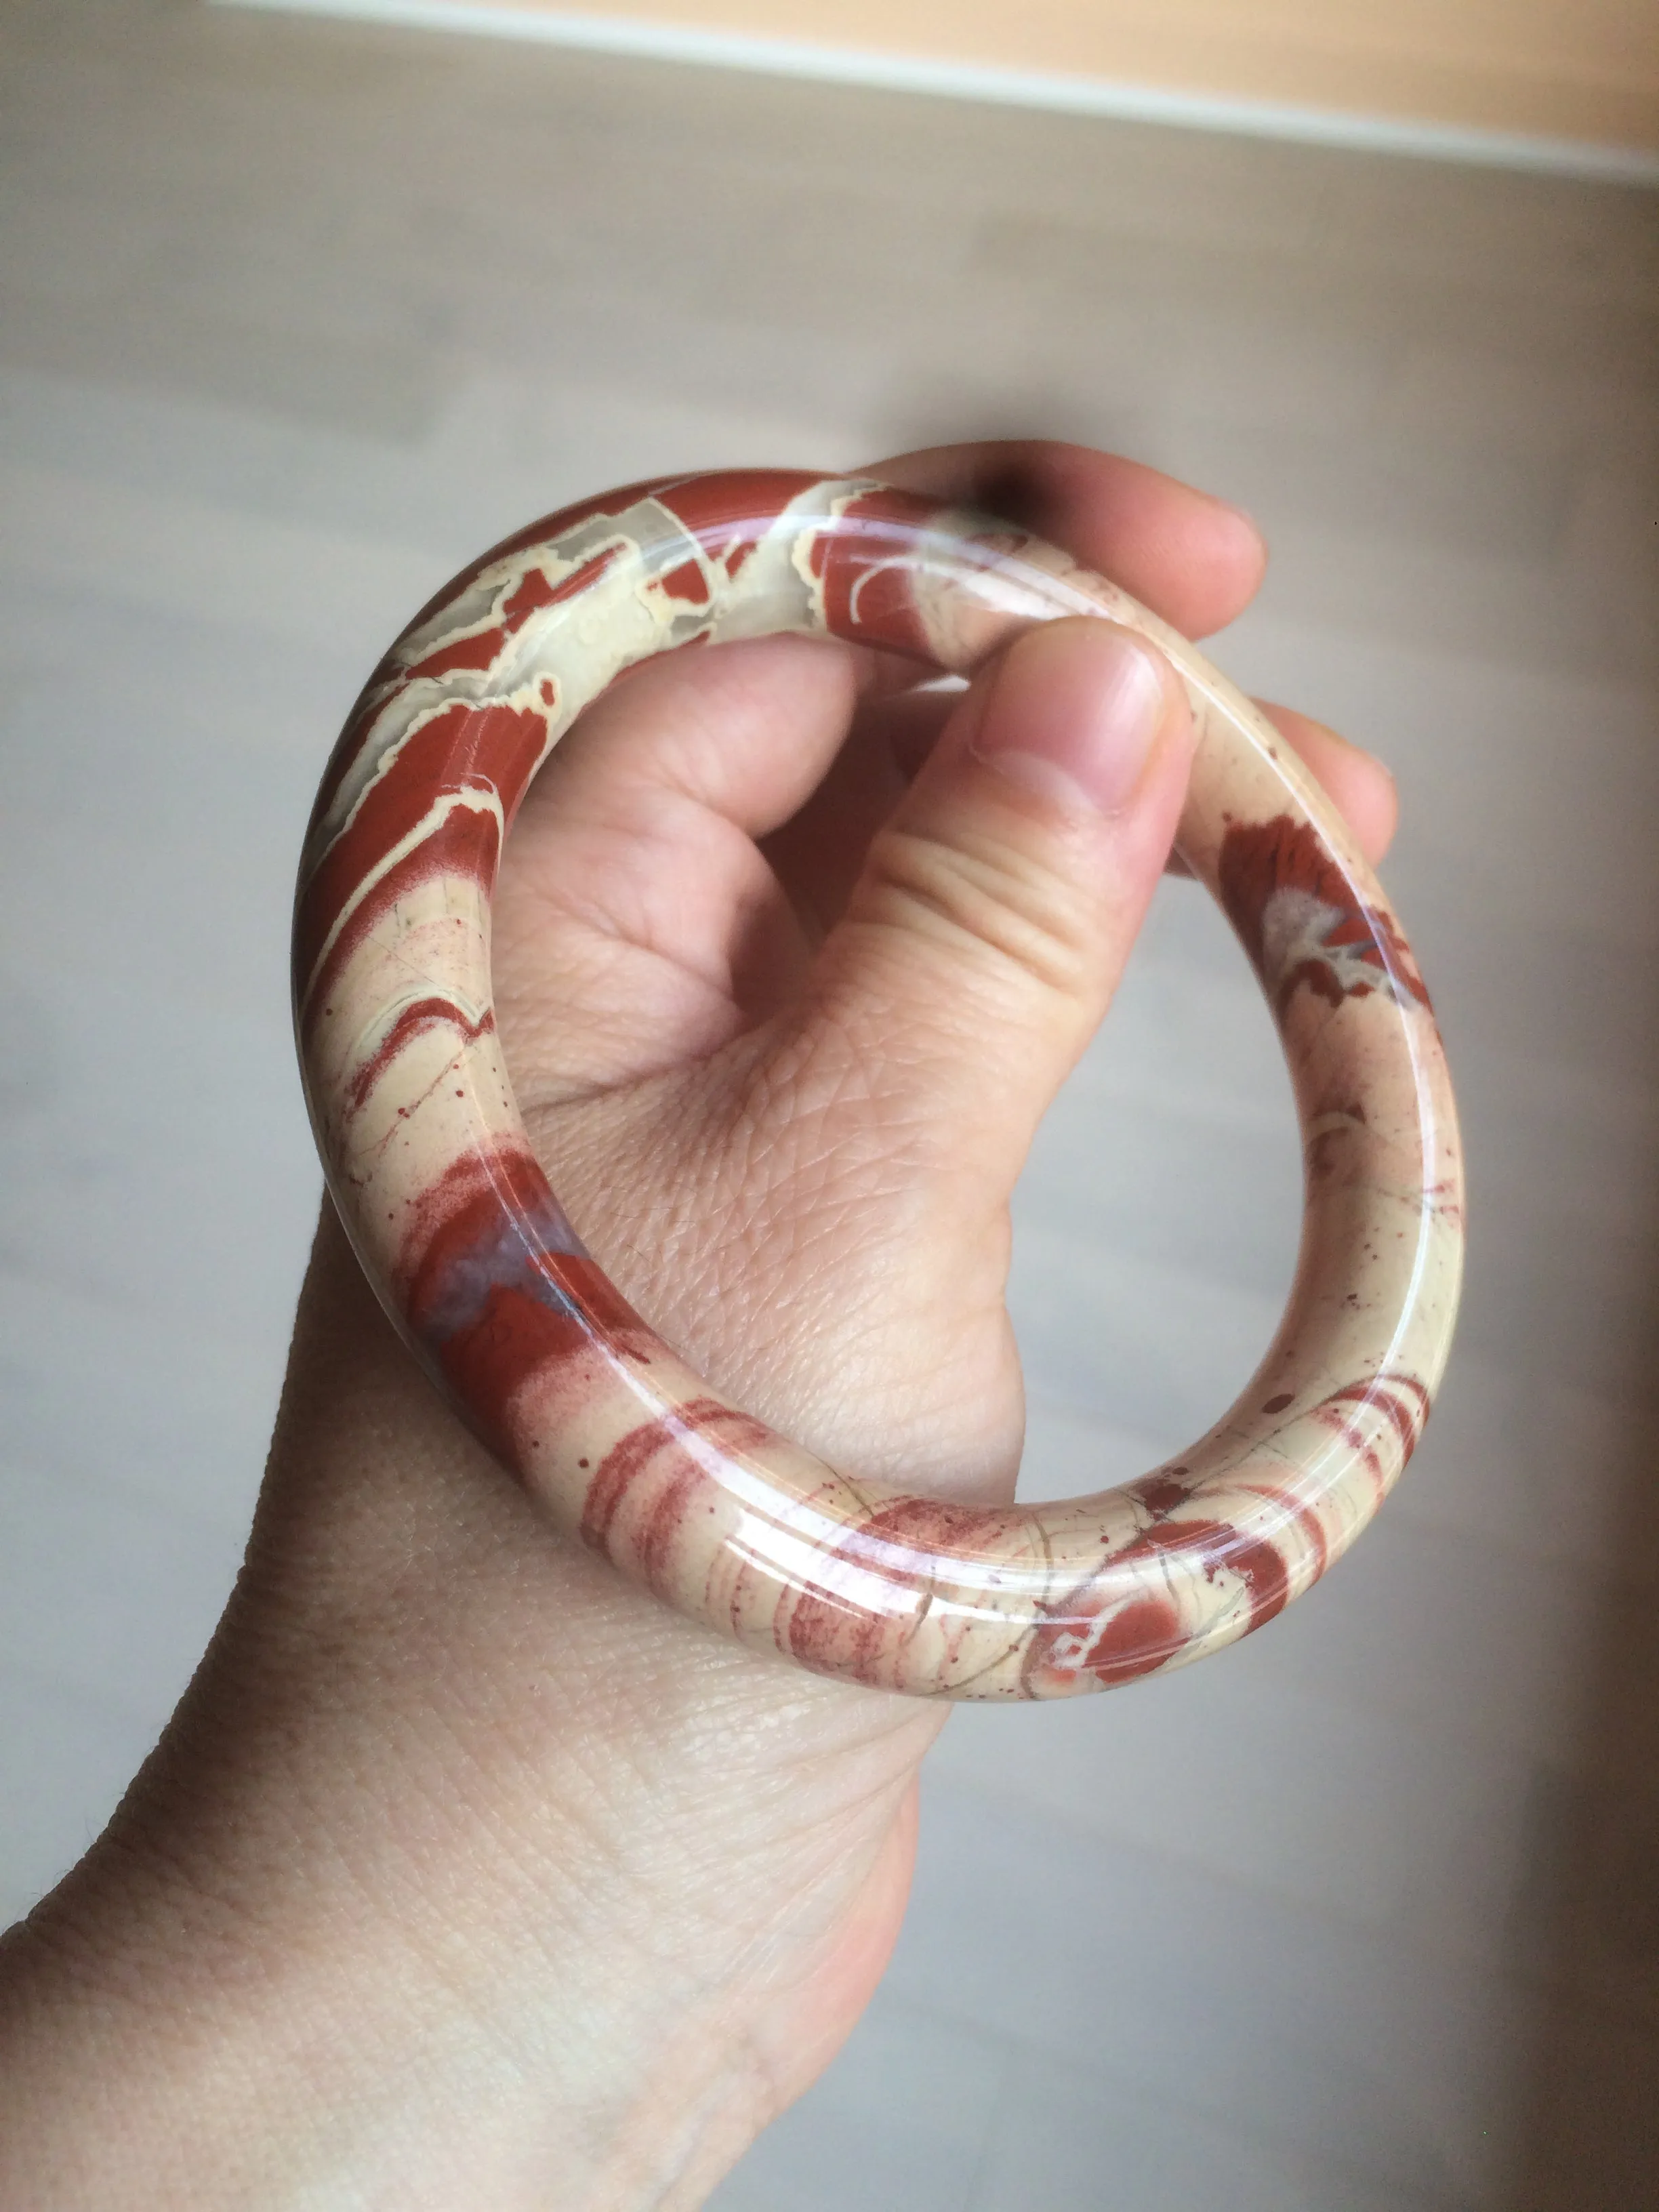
pixel 467 1874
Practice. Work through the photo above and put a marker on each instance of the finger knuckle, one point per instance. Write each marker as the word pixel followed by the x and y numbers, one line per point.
pixel 983 902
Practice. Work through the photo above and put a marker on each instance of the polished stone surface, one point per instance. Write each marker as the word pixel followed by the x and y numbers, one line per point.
pixel 621 1443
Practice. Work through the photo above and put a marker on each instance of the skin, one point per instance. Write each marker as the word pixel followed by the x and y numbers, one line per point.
pixel 467 1875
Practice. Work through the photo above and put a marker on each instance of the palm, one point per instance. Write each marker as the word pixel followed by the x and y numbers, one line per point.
pixel 674 870
pixel 858 1309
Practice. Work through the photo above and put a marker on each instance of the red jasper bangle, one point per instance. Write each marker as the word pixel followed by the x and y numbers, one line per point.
pixel 454 1223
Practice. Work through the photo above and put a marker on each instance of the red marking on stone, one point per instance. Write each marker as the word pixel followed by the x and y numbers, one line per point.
pixel 648 1482
pixel 545 528
pixel 488 1364
pixel 1139 1638
pixel 869 595
pixel 1322 979
pixel 584 578
pixel 1258 859
pixel 380 686
pixel 468 845
pixel 1402 1400
pixel 686 582
pixel 1326 1153
pixel 517 1339
pixel 475 651
pixel 414 1021
pixel 462 747
pixel 1161 1493
pixel 513 1334
pixel 456 1212
pixel 675 1491
pixel 1307 1519
pixel 729 516
pixel 478 649
pixel 865 598
pixel 1276 1405
pixel 902 1543
pixel 532 591
pixel 390 674
pixel 1126 1637
pixel 740 503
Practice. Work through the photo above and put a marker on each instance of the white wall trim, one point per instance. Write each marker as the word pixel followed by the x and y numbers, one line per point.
pixel 1078 96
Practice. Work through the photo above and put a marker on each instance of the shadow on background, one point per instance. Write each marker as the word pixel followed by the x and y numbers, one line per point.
pixel 1586 1932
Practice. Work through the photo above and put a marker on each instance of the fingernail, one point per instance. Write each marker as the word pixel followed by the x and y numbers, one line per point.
pixel 1240 514
pixel 1080 730
pixel 1361 753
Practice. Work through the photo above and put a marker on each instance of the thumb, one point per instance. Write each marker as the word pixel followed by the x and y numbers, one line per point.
pixel 996 906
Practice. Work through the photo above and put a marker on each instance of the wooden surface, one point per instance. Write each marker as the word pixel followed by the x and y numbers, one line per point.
pixel 1361 1918
pixel 1566 68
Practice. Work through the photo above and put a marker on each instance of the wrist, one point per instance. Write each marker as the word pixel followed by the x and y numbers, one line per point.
pixel 444 1885
pixel 227 2005
pixel 355 1936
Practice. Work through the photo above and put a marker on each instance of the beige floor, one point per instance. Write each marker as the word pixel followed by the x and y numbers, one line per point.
pixel 1361 1918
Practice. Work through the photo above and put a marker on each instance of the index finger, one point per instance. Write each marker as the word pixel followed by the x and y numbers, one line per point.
pixel 1189 557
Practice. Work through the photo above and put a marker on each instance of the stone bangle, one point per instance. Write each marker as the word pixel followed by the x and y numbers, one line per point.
pixel 450 1214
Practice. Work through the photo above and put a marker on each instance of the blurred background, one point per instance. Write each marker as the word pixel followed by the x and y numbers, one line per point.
pixel 298 314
